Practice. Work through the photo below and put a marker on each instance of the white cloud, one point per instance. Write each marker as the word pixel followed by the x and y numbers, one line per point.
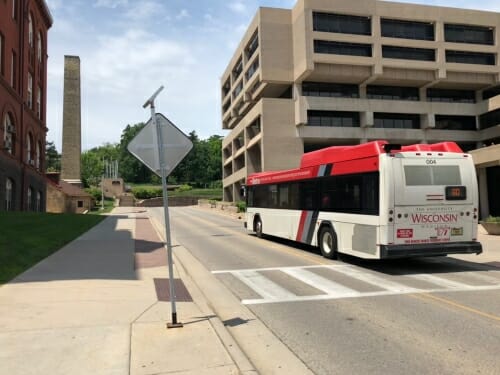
pixel 144 10
pixel 110 3
pixel 237 7
pixel 182 14
pixel 120 61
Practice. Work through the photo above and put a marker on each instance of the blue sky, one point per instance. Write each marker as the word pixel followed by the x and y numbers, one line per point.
pixel 128 48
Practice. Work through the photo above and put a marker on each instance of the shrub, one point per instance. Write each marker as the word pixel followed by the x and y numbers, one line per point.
pixel 492 219
pixel 242 206
pixel 144 193
pixel 183 188
pixel 95 193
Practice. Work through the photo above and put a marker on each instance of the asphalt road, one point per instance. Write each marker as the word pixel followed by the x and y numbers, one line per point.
pixel 420 316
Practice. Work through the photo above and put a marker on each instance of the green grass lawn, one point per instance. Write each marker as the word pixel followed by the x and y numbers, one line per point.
pixel 28 237
pixel 109 204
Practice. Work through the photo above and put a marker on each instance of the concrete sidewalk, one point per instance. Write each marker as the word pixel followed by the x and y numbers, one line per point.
pixel 98 306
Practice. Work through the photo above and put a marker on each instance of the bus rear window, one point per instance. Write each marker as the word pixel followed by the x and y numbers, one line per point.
pixel 417 175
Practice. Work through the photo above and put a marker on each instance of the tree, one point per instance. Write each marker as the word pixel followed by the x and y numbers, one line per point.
pixel 93 162
pixel 131 169
pixel 52 158
pixel 203 164
pixel 214 158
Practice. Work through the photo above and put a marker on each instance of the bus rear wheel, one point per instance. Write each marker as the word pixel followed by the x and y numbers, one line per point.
pixel 258 227
pixel 328 242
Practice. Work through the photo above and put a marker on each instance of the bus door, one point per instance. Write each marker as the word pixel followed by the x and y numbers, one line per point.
pixel 433 200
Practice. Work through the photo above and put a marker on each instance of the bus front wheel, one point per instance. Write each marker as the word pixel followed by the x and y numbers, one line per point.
pixel 328 242
pixel 258 227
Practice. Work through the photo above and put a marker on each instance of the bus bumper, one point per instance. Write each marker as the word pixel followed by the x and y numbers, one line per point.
pixel 422 250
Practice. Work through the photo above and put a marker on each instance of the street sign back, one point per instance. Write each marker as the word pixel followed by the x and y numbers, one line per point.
pixel 176 145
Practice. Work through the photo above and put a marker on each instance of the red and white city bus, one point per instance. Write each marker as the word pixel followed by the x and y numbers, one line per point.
pixel 374 200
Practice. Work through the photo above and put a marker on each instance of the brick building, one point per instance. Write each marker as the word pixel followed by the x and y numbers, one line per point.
pixel 23 88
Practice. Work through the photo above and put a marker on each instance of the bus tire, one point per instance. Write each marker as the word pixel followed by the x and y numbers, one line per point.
pixel 258 227
pixel 327 240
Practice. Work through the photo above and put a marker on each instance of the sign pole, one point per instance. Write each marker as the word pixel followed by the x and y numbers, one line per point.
pixel 157 125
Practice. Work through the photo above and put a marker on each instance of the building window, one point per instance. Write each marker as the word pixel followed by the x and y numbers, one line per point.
pixel 341 48
pixel 396 121
pixel 333 119
pixel 238 68
pixel 490 119
pixel 8 133
pixel 451 96
pixel 490 93
pixel 226 88
pixel 39 47
pixel 465 57
pixel 39 103
pixel 238 89
pixel 330 90
pixel 13 70
pixel 392 93
pixel 423 54
pixel 30 199
pixel 14 9
pixel 2 54
pixel 226 105
pixel 407 29
pixel 38 202
pixel 30 31
pixel 252 69
pixel 469 34
pixel 80 204
pixel 448 122
pixel 38 156
pixel 30 91
pixel 254 128
pixel 9 194
pixel 252 45
pixel 340 23
pixel 29 144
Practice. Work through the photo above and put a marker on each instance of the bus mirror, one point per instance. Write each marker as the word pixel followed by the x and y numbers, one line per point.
pixel 243 191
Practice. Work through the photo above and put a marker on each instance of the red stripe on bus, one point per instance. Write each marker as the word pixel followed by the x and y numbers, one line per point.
pixel 303 218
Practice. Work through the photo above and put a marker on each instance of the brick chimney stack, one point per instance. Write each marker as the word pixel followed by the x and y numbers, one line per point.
pixel 71 144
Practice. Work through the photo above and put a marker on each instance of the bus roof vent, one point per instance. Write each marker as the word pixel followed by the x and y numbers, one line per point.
pixel 390 147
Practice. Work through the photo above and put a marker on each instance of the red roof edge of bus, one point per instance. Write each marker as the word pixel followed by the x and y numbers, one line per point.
pixel 436 147
pixel 335 154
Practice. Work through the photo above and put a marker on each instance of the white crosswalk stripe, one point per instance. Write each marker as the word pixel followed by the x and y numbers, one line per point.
pixel 263 286
pixel 319 282
pixel 369 278
pixel 272 292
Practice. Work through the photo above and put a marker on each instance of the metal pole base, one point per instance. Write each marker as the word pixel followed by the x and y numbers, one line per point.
pixel 175 323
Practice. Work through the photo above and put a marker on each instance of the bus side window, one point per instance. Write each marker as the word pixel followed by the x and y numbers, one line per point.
pixel 309 196
pixel 273 196
pixel 283 196
pixel 294 202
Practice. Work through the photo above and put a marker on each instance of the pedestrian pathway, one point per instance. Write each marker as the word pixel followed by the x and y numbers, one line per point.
pixel 98 306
